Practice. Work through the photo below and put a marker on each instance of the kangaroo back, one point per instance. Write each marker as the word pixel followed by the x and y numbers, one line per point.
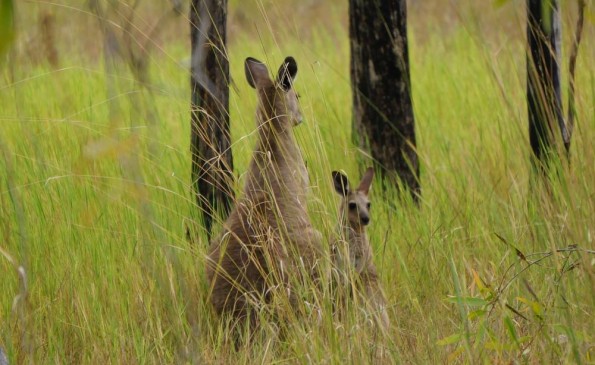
pixel 269 232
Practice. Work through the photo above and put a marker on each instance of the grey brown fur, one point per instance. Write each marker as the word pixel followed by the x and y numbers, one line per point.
pixel 268 234
pixel 3 358
pixel 351 252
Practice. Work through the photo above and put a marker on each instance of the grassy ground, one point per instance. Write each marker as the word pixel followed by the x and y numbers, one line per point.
pixel 95 205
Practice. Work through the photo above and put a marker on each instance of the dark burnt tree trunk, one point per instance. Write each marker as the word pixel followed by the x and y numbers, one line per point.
pixel 547 129
pixel 382 107
pixel 212 163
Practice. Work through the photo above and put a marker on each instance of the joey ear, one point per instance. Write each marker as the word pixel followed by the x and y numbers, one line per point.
pixel 257 73
pixel 366 182
pixel 287 73
pixel 341 183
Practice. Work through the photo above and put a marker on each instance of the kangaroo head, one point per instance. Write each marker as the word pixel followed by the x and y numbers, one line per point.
pixel 355 204
pixel 277 98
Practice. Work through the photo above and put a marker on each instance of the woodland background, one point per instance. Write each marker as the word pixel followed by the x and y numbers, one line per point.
pixel 95 195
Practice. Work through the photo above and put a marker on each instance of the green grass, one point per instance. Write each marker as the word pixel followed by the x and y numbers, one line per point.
pixel 96 208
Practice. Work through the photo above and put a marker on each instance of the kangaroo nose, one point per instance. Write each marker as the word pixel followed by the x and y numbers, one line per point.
pixel 365 220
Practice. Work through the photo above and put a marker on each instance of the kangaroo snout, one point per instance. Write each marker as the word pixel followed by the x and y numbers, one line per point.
pixel 365 220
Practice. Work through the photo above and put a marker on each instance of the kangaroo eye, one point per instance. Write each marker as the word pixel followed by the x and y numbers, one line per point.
pixel 352 206
pixel 369 205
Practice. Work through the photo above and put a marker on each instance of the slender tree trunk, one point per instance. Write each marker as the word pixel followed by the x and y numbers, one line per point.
pixel 382 107
pixel 544 99
pixel 212 162
pixel 582 4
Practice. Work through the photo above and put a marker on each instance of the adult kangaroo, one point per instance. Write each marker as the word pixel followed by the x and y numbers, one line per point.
pixel 268 240
pixel 352 253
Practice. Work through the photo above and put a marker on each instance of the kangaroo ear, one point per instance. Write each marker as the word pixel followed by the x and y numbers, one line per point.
pixel 341 183
pixel 287 73
pixel 257 73
pixel 366 182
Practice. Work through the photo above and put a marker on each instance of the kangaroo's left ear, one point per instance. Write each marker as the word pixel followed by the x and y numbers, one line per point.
pixel 366 182
pixel 257 73
pixel 341 183
pixel 287 73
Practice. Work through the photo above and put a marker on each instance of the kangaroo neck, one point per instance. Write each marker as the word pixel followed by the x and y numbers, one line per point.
pixel 276 137
pixel 273 131
pixel 277 155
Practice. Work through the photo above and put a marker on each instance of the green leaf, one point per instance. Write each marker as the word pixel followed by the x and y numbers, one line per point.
pixel 482 330
pixel 498 346
pixel 536 307
pixel 449 340
pixel 470 301
pixel 476 314
pixel 6 25
pixel 477 280
pixel 511 330
pixel 500 3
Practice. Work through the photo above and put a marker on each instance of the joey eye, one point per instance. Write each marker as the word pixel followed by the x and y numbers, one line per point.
pixel 352 206
pixel 368 205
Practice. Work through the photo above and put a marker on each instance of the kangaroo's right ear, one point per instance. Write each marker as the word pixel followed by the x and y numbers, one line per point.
pixel 341 183
pixel 366 182
pixel 287 73
pixel 257 73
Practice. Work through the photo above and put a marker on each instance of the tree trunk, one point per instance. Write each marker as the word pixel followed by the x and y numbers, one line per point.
pixel 382 107
pixel 212 163
pixel 544 99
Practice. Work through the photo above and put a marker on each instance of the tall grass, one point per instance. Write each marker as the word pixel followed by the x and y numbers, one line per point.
pixel 95 209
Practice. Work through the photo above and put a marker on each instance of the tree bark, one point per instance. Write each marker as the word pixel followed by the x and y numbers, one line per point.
pixel 381 86
pixel 572 73
pixel 212 162
pixel 544 99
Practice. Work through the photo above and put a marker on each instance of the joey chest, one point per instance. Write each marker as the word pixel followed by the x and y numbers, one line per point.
pixel 353 251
